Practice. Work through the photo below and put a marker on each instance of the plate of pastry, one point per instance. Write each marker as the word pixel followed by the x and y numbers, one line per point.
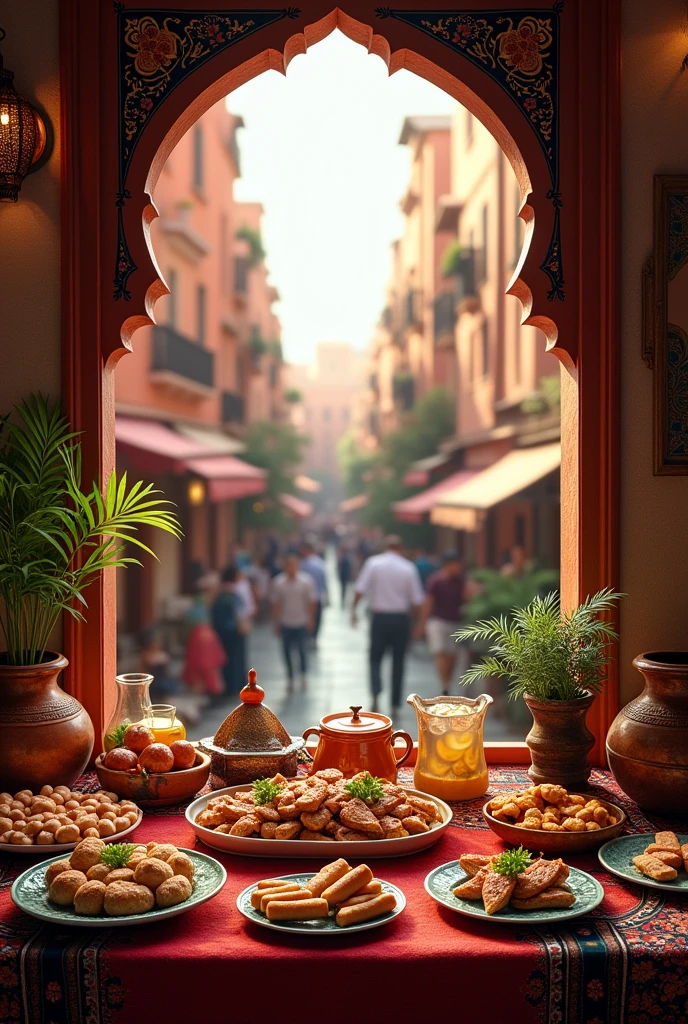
pixel 57 819
pixel 117 885
pixel 279 817
pixel 333 901
pixel 514 888
pixel 659 861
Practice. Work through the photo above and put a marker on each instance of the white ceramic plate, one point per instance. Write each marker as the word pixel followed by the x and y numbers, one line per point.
pixel 255 847
pixel 50 851
pixel 30 894
pixel 323 925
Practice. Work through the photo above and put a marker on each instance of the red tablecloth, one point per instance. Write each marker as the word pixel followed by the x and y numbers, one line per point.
pixel 628 962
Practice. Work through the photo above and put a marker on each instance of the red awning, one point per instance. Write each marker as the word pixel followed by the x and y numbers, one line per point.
pixel 420 473
pixel 228 478
pixel 151 446
pixel 296 507
pixel 413 510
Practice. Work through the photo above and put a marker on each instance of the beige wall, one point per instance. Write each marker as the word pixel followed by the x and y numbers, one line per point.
pixel 654 532
pixel 30 229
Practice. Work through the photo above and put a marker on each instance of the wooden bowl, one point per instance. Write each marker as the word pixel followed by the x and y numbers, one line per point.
pixel 557 842
pixel 156 789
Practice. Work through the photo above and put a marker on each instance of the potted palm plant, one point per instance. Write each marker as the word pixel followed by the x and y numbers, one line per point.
pixel 555 661
pixel 55 540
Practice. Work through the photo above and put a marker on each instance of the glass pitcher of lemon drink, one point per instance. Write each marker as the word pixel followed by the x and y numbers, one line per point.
pixel 451 759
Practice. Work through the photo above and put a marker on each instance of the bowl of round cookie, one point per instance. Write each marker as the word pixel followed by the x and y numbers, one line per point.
pixel 548 819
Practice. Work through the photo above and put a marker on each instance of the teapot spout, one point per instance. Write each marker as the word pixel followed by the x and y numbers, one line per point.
pixel 415 701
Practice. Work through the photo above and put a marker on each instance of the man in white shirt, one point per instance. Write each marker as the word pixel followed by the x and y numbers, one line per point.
pixel 293 612
pixel 393 589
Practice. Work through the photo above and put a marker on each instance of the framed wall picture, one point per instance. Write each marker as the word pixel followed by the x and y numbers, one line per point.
pixel 665 323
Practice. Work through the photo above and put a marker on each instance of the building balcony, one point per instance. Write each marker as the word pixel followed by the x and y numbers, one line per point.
pixel 182 238
pixel 233 407
pixel 403 390
pixel 413 308
pixel 444 318
pixel 181 364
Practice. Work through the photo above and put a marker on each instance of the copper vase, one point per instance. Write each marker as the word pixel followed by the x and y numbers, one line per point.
pixel 46 736
pixel 560 741
pixel 647 744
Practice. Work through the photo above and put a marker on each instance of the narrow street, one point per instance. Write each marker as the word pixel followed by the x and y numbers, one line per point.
pixel 337 677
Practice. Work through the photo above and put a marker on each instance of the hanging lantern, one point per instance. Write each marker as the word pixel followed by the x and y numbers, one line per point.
pixel 22 136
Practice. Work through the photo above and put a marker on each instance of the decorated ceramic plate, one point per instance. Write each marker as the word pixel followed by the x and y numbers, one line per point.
pixel 249 846
pixel 323 925
pixel 30 894
pixel 617 857
pixel 50 851
pixel 441 882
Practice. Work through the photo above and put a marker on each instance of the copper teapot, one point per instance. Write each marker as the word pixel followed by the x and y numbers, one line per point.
pixel 358 742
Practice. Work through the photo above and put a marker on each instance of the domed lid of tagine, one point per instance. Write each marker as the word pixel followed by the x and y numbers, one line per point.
pixel 252 726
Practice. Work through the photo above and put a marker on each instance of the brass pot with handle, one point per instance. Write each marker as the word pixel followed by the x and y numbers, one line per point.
pixel 356 742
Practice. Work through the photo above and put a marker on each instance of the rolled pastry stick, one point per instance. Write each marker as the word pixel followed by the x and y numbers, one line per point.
pixel 258 894
pixel 327 876
pixel 280 897
pixel 374 888
pixel 359 898
pixel 376 907
pixel 272 883
pixel 297 910
pixel 348 885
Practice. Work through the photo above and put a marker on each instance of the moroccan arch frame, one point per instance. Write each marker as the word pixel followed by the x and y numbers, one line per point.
pixel 570 197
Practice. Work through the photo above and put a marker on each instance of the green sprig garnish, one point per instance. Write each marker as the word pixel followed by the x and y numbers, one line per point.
pixel 117 854
pixel 116 737
pixel 368 788
pixel 512 862
pixel 265 791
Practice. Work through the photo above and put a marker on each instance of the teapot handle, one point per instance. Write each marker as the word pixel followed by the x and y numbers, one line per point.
pixel 409 745
pixel 309 732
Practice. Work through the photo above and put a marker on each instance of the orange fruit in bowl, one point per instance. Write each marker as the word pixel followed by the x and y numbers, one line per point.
pixel 137 737
pixel 157 758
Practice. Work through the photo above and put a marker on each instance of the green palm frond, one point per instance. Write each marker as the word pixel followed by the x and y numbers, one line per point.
pixel 543 652
pixel 55 538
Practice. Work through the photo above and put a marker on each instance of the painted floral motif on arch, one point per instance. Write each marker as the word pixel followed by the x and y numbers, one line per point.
pixel 519 49
pixel 157 49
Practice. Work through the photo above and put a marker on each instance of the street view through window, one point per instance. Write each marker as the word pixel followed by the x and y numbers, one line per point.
pixel 336 372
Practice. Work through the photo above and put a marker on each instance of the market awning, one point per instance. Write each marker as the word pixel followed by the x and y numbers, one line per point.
pixel 359 501
pixel 464 507
pixel 154 447
pixel 295 507
pixel 413 510
pixel 420 473
pixel 214 442
pixel 228 478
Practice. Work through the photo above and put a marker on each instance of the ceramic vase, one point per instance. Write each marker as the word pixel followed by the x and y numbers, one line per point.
pixel 647 744
pixel 560 741
pixel 46 735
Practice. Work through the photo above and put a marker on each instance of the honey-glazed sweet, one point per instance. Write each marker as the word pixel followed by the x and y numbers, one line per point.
pixel 64 887
pixel 152 872
pixel 173 891
pixel 89 898
pixel 124 898
pixel 325 807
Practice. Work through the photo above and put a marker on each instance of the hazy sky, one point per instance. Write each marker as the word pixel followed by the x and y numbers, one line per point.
pixel 320 152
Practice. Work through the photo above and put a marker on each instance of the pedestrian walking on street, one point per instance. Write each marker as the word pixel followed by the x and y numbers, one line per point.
pixel 442 615
pixel 344 571
pixel 228 616
pixel 294 600
pixel 313 565
pixel 392 587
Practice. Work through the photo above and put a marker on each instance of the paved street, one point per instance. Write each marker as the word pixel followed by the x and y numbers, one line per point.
pixel 338 678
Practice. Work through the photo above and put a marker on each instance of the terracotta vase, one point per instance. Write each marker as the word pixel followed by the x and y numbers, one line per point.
pixel 46 736
pixel 647 744
pixel 560 741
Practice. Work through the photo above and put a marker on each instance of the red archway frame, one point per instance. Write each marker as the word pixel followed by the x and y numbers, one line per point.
pixel 582 330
